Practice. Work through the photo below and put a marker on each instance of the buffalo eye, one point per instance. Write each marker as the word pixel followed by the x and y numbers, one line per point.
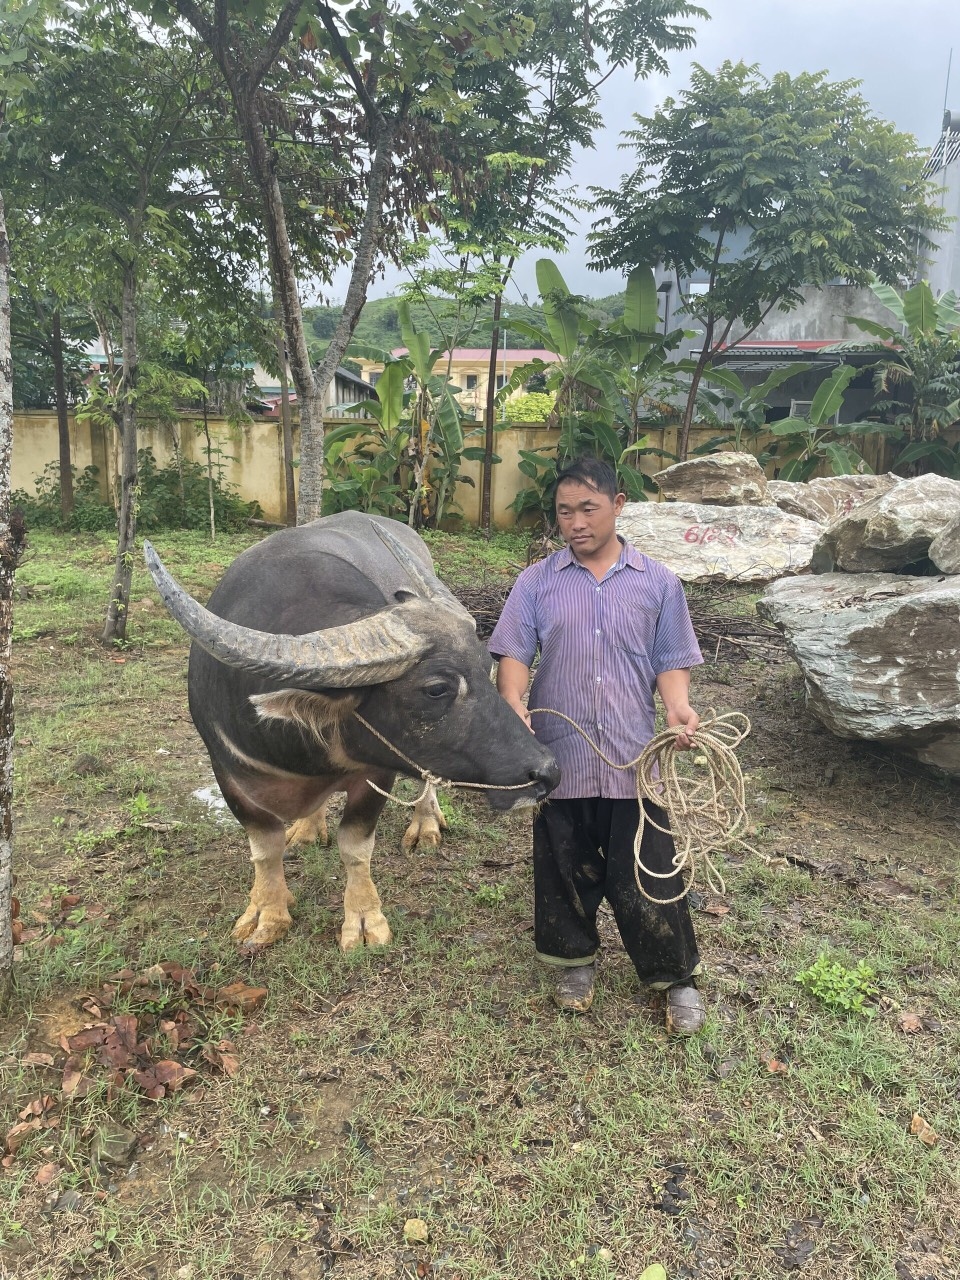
pixel 436 689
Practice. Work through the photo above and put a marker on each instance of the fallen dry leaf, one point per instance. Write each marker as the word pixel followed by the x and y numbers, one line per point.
pixel 17 1135
pixel 74 1084
pixel 38 1107
pixel 910 1023
pixel 924 1131
pixel 37 1060
pixel 46 1173
pixel 239 996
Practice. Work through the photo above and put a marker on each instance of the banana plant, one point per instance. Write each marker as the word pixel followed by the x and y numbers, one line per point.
pixel 917 372
pixel 418 444
pixel 603 381
pixel 807 442
pixel 747 408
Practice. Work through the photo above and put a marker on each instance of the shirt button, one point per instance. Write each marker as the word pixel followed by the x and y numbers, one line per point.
pixel 598 679
pixel 598 588
pixel 597 632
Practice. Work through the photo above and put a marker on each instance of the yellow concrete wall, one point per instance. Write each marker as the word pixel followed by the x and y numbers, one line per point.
pixel 256 450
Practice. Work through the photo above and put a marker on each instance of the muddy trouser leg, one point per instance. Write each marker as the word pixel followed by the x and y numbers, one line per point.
pixel 659 939
pixel 568 881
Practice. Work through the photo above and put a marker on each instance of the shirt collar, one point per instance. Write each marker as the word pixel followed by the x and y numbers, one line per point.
pixel 629 556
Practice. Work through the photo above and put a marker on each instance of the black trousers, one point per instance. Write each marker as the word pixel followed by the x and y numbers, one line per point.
pixel 583 853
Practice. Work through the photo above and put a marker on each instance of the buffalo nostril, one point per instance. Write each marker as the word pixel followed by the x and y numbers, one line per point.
pixel 549 775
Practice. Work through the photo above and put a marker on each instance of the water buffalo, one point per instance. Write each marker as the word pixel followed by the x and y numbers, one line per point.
pixel 340 616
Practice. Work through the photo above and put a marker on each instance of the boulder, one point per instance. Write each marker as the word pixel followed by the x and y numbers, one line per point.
pixel 891 531
pixel 880 656
pixel 718 479
pixel 945 548
pixel 827 498
pixel 720 544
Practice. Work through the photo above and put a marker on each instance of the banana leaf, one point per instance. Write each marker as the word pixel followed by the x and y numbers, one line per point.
pixel 561 314
pixel 889 297
pixel 640 312
pixel 920 309
pixel 829 395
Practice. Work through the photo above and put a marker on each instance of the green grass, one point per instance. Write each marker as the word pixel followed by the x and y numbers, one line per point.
pixel 434 1079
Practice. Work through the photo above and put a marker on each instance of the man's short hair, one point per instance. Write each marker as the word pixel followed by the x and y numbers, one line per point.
pixel 593 472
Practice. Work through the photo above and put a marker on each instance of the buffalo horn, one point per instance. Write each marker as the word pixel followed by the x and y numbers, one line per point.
pixel 427 581
pixel 369 651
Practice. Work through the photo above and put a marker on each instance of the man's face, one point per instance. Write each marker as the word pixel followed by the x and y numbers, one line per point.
pixel 587 518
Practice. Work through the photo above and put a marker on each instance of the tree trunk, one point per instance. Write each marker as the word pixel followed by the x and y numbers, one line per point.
pixel 486 478
pixel 63 428
pixel 210 488
pixel 688 412
pixel 115 628
pixel 311 462
pixel 11 548
pixel 286 427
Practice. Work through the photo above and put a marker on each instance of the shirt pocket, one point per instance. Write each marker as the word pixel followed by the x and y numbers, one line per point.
pixel 632 628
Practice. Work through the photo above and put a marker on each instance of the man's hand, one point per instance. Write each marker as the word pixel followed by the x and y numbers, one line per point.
pixel 523 713
pixel 690 721
pixel 674 690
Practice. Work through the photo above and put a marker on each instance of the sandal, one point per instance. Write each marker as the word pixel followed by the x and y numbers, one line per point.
pixel 685 1010
pixel 574 989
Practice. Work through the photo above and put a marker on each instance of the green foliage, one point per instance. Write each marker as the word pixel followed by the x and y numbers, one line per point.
pixel 608 382
pixel 917 373
pixel 531 406
pixel 407 460
pixel 838 986
pixel 41 509
pixel 806 442
pixel 173 497
pixel 758 187
pixel 746 408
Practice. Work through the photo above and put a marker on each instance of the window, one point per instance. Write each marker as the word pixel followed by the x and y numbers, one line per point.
pixel 374 378
pixel 501 380
pixel 471 382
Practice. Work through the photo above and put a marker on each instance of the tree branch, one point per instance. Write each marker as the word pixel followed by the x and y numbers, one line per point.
pixel 373 112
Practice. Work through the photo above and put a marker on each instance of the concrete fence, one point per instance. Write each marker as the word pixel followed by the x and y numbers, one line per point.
pixel 251 456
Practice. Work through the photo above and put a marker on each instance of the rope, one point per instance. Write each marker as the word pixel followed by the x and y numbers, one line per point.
pixel 706 805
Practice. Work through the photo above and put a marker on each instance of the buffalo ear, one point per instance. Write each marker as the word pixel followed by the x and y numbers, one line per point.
pixel 311 710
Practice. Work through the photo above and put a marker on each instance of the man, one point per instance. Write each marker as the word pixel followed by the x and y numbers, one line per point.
pixel 610 626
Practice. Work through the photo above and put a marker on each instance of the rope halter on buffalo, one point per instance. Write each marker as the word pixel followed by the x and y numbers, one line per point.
pixel 701 790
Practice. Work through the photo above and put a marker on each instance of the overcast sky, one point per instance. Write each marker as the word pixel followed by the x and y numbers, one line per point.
pixel 900 52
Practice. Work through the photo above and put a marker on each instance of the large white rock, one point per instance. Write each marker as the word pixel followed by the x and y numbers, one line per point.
pixel 945 548
pixel 880 655
pixel 891 531
pixel 827 498
pixel 720 544
pixel 717 479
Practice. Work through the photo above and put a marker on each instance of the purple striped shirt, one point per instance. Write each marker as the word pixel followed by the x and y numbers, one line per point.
pixel 601 646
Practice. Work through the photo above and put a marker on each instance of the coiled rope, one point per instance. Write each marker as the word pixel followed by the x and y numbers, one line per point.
pixel 704 798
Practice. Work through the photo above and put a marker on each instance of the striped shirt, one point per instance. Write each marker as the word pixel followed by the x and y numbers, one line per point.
pixel 601 646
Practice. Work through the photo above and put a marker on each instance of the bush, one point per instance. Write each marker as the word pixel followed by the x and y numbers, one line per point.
pixel 532 406
pixel 169 498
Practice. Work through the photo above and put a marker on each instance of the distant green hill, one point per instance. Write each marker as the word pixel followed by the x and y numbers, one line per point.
pixel 379 325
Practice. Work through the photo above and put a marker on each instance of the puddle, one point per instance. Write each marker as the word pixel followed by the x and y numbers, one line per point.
pixel 213 800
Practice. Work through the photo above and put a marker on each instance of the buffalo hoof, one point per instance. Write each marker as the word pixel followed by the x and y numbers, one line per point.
pixel 261 926
pixel 365 931
pixel 308 830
